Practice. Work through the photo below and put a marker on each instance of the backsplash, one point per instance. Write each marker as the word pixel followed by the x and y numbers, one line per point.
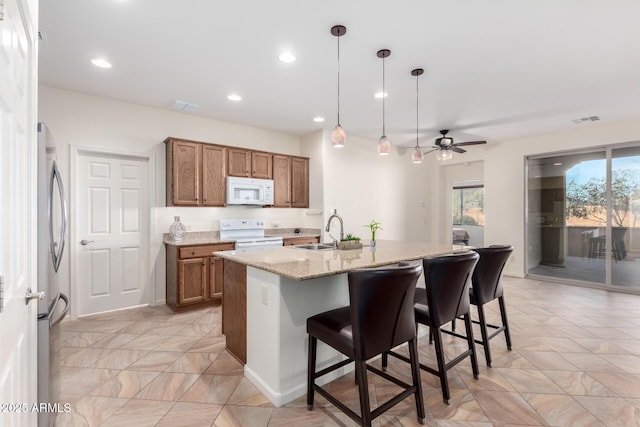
pixel 208 219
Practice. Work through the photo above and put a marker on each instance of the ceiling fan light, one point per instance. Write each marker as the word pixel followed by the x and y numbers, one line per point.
pixel 384 146
pixel 444 155
pixel 417 156
pixel 446 141
pixel 338 137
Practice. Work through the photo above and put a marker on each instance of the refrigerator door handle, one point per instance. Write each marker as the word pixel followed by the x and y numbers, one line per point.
pixel 52 322
pixel 56 253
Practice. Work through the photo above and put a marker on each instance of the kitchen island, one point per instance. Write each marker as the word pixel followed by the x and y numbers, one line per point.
pixel 269 294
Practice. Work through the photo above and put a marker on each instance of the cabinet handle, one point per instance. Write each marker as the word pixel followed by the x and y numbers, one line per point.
pixel 193 253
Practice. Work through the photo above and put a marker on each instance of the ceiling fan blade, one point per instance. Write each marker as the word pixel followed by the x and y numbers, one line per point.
pixel 429 151
pixel 462 144
pixel 458 150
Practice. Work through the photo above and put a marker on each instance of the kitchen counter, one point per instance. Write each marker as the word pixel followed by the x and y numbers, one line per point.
pixel 303 264
pixel 269 294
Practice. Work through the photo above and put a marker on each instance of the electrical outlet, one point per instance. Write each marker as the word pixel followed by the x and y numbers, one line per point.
pixel 265 295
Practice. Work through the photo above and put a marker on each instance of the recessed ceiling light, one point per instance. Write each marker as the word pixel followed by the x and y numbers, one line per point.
pixel 381 95
pixel 557 164
pixel 234 97
pixel 287 57
pixel 102 63
pixel 318 119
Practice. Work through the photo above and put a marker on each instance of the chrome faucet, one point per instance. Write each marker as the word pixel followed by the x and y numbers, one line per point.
pixel 334 214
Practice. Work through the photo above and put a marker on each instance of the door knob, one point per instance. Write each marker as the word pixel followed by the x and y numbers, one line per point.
pixel 84 242
pixel 33 295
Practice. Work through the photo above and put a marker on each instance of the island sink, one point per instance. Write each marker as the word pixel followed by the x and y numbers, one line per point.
pixel 316 246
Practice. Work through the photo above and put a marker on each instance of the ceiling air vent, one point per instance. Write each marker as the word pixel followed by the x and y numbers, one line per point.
pixel 185 107
pixel 585 119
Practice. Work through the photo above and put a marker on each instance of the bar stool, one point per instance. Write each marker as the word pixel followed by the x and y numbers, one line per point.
pixel 486 287
pixel 445 297
pixel 380 316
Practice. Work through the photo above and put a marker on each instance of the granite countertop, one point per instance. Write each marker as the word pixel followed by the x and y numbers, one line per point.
pixel 213 237
pixel 302 264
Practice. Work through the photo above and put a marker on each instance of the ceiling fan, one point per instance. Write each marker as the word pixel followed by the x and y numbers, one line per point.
pixel 445 146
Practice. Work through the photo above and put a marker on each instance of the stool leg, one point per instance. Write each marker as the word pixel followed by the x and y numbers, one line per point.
pixel 385 361
pixel 503 314
pixel 474 360
pixel 417 382
pixel 311 371
pixel 483 331
pixel 365 408
pixel 442 369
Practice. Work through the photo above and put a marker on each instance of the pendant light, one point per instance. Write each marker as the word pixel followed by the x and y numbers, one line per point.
pixel 417 155
pixel 384 146
pixel 338 136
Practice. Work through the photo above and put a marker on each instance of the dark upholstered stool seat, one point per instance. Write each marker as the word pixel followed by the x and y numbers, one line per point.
pixel 380 316
pixel 446 296
pixel 334 326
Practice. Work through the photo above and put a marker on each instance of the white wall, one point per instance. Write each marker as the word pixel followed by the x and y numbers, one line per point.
pixel 363 186
pixel 89 121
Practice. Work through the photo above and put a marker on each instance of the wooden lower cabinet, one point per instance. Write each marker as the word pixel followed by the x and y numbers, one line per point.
pixel 300 241
pixel 194 275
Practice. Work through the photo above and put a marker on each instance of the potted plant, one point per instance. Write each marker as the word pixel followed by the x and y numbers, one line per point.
pixel 374 226
pixel 349 242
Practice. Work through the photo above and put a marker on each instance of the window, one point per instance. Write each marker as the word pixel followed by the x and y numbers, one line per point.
pixel 468 205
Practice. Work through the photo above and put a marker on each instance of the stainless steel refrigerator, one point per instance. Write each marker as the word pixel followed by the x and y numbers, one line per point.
pixel 52 229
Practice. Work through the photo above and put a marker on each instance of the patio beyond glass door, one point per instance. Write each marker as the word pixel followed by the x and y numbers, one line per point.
pixel 583 211
pixel 625 218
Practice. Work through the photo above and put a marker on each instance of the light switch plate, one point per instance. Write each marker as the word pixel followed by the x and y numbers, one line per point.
pixel 1 293
pixel 265 295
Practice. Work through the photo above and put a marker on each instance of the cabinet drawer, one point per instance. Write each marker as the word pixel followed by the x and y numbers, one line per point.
pixel 203 251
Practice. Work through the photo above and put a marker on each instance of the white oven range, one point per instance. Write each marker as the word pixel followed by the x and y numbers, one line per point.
pixel 248 234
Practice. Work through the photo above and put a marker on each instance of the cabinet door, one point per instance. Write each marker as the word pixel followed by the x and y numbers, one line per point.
pixel 299 182
pixel 185 164
pixel 239 162
pixel 214 168
pixel 191 281
pixel 281 181
pixel 216 276
pixel 261 165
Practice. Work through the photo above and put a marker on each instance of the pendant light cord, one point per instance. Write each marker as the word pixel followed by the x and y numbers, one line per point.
pixel 417 97
pixel 384 94
pixel 338 78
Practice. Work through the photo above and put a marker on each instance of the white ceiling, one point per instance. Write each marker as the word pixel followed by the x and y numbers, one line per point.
pixel 494 69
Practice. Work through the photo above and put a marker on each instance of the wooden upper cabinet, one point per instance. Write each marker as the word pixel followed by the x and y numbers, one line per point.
pixel 183 165
pixel 261 165
pixel 299 182
pixel 214 172
pixel 281 181
pixel 239 162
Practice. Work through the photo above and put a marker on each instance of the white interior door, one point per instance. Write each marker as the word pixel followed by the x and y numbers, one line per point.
pixel 111 218
pixel 18 173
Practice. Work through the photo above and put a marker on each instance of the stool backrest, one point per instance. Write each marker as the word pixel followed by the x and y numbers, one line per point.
pixel 381 302
pixel 486 282
pixel 447 279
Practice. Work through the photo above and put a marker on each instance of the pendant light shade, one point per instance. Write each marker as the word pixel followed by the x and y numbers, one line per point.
pixel 338 135
pixel 417 155
pixel 384 146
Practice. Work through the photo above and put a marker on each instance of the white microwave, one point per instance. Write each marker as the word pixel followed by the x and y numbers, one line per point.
pixel 249 191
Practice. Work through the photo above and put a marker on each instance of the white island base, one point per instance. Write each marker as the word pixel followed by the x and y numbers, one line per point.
pixel 277 340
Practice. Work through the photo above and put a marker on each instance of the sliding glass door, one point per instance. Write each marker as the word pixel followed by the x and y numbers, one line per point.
pixel 582 213
pixel 625 218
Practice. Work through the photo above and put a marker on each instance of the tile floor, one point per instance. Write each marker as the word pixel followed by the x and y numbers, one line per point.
pixel 575 362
